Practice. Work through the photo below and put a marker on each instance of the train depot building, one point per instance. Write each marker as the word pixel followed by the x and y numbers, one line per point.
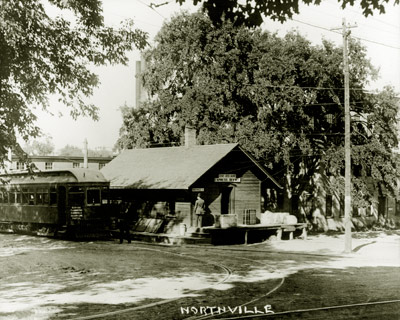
pixel 162 184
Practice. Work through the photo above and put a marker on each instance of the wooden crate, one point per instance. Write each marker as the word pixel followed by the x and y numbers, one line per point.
pixel 249 217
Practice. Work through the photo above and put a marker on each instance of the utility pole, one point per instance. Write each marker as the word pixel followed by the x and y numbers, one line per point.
pixel 347 145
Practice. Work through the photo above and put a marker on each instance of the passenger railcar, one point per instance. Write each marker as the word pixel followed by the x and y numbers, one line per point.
pixel 71 203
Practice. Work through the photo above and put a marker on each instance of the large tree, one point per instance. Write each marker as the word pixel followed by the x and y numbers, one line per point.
pixel 281 98
pixel 251 12
pixel 42 53
pixel 42 147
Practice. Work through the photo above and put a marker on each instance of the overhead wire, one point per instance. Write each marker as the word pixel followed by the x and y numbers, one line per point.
pixel 152 7
pixel 337 32
pixel 361 14
pixel 318 11
pixel 376 42
pixel 311 87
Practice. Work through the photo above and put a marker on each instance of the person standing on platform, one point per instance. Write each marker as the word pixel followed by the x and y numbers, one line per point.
pixel 124 224
pixel 199 207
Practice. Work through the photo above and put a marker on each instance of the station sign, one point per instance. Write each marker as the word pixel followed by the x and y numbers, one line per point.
pixel 227 178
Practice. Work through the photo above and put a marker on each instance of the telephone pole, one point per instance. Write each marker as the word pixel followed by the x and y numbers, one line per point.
pixel 347 145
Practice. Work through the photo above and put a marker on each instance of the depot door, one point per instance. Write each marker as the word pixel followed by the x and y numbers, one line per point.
pixel 227 200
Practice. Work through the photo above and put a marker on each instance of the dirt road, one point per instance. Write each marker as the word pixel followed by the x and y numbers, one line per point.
pixel 43 278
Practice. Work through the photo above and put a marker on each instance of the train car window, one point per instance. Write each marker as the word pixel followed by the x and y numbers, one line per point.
pixel 93 196
pixel 31 197
pixel 53 196
pixel 46 197
pixel 76 196
pixel 104 195
pixel 5 196
pixel 24 196
pixel 39 196
pixel 19 197
pixel 12 196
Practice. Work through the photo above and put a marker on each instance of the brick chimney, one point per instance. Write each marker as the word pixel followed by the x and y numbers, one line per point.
pixel 190 136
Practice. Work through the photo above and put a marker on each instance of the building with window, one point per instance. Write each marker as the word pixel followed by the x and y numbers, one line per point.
pixel 57 163
pixel 164 182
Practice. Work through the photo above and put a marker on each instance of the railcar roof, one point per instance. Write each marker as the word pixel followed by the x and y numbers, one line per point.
pixel 77 175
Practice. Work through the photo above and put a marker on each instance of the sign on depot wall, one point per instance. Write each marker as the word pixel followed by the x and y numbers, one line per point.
pixel 227 177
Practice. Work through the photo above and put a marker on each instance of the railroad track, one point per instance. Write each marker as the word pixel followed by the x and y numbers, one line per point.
pixel 227 274
pixel 298 311
pixel 227 251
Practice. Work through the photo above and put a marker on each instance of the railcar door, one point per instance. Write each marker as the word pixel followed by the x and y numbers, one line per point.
pixel 62 215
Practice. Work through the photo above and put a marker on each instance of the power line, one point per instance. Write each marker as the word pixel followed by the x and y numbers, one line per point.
pixel 363 24
pixel 375 42
pixel 135 19
pixel 152 6
pixel 361 14
pixel 326 104
pixel 333 31
pixel 315 26
pixel 379 29
pixel 310 87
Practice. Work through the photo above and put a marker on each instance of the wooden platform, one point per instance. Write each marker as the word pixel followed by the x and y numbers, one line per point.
pixel 169 238
pixel 241 232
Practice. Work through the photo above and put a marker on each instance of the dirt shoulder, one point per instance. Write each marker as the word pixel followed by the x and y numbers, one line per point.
pixel 48 279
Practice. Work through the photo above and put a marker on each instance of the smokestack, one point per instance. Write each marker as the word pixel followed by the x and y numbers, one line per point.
pixel 138 83
pixel 190 136
pixel 140 92
pixel 85 153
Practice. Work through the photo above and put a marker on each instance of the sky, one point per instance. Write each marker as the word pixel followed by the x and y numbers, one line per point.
pixel 380 33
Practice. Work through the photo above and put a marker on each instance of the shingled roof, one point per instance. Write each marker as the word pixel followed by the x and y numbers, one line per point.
pixel 165 168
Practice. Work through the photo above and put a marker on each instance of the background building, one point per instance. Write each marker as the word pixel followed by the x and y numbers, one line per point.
pixel 57 162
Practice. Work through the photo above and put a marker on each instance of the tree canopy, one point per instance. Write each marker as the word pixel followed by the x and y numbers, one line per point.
pixel 280 98
pixel 43 147
pixel 43 54
pixel 74 151
pixel 251 12
pixel 70 151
